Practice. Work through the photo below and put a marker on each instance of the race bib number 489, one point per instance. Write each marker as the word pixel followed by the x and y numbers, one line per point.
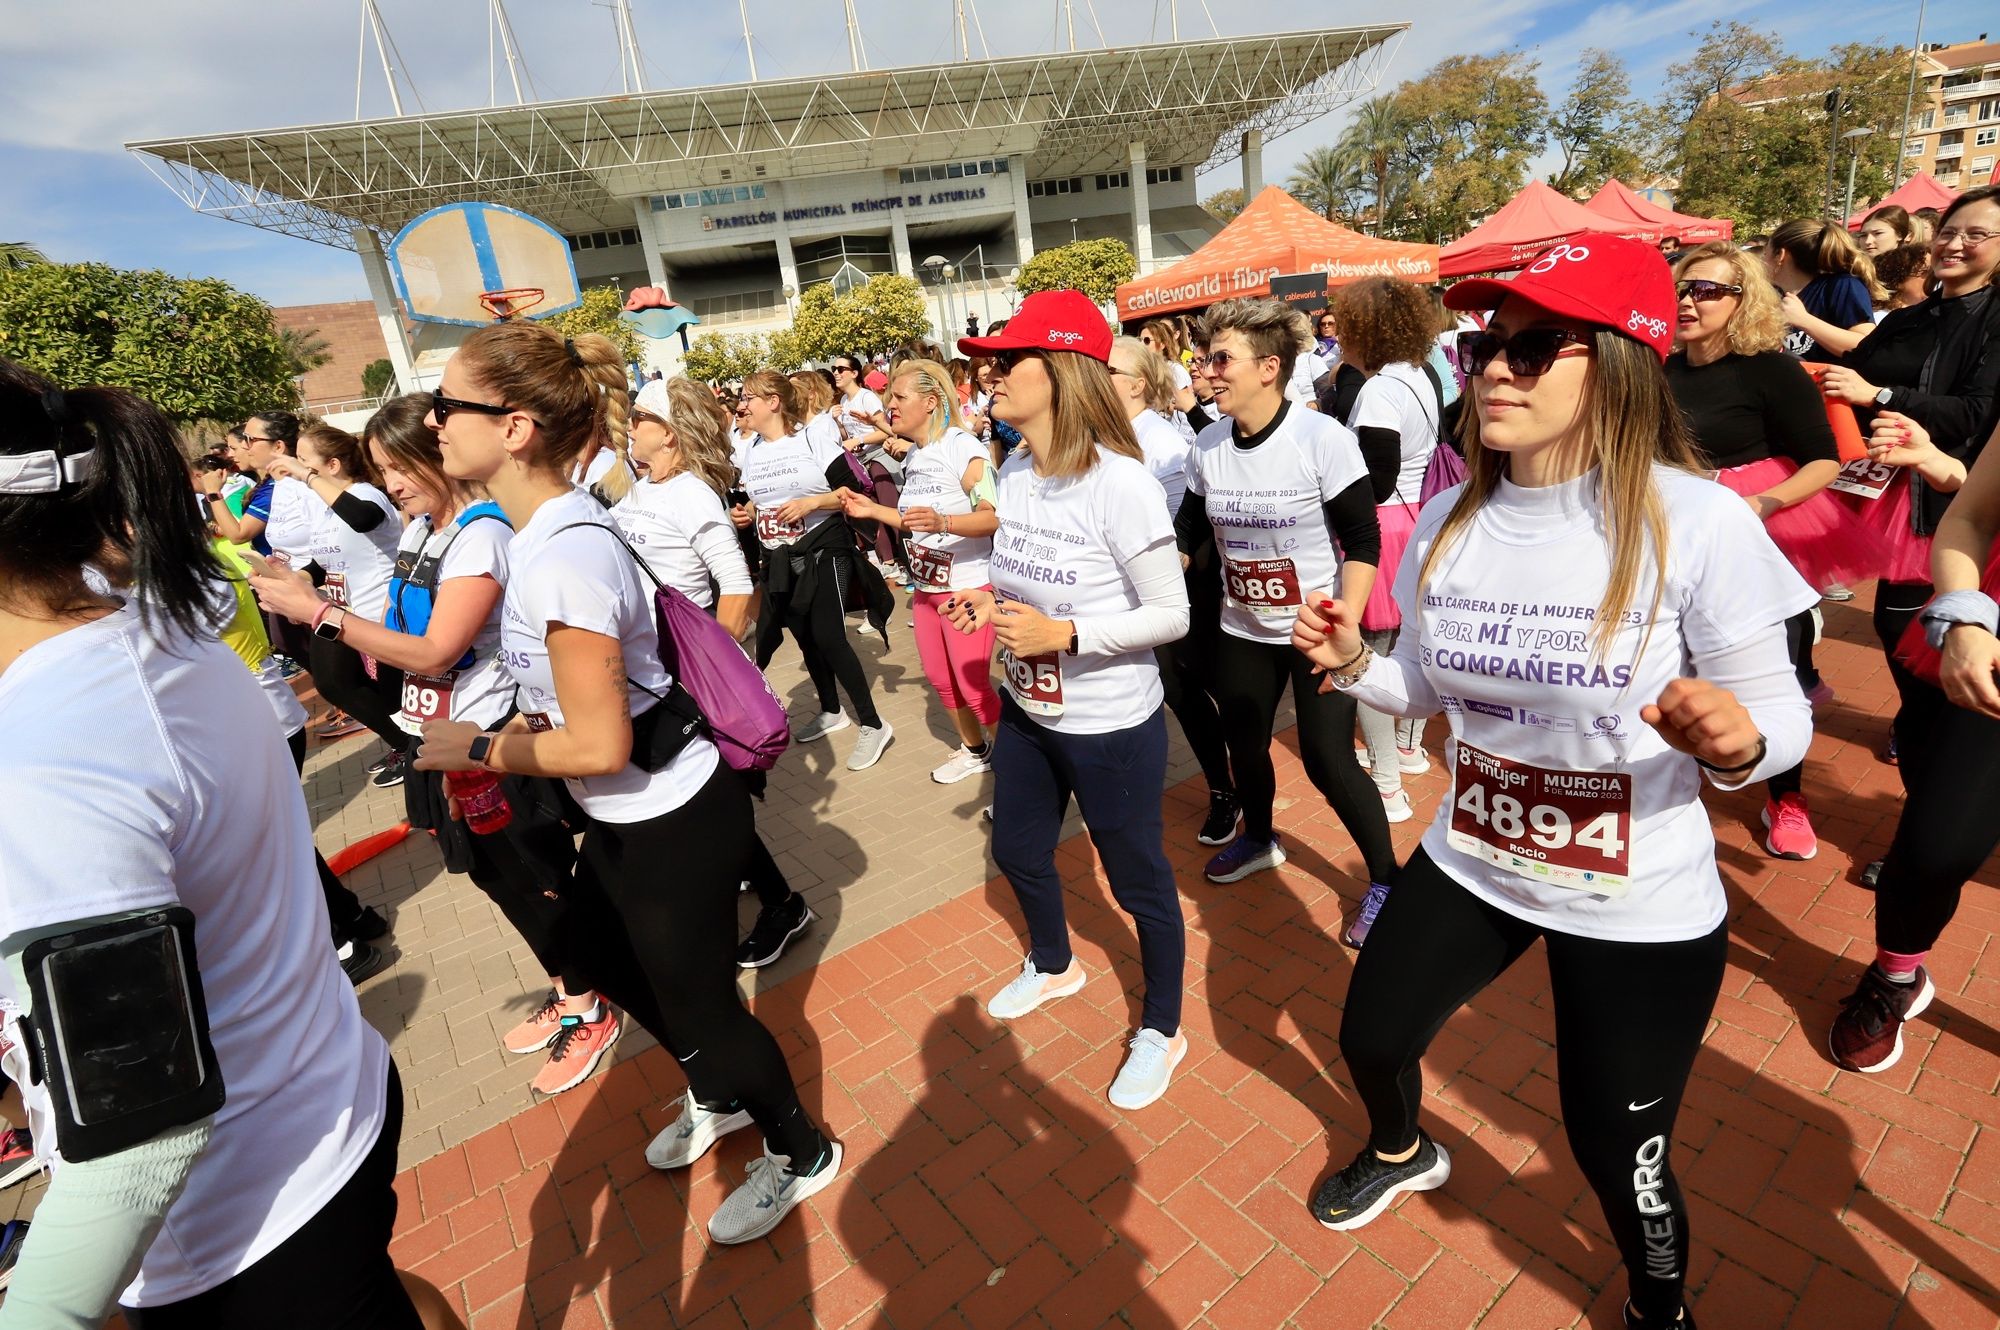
pixel 1566 828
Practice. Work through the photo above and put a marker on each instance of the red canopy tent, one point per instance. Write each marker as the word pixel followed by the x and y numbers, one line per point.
pixel 1622 204
pixel 1275 235
pixel 1920 191
pixel 1531 221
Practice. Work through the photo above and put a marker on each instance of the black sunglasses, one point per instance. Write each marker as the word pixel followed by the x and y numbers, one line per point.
pixel 1530 351
pixel 1004 361
pixel 442 407
pixel 1704 291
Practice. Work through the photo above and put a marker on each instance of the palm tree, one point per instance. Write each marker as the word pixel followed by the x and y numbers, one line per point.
pixel 1324 180
pixel 18 254
pixel 1374 136
pixel 304 348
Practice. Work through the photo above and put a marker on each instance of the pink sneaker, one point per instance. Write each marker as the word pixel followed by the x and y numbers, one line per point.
pixel 533 1034
pixel 575 1051
pixel 1788 829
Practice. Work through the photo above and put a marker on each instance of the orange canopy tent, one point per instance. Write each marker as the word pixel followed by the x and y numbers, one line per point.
pixel 1530 222
pixel 1621 204
pixel 1920 191
pixel 1275 235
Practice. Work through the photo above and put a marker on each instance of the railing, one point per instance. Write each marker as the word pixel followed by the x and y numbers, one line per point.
pixel 345 405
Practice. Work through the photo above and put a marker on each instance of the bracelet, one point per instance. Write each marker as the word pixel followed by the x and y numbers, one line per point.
pixel 946 519
pixel 1348 674
pixel 1763 748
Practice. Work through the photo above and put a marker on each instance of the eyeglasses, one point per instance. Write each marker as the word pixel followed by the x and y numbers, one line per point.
pixel 1004 361
pixel 1704 291
pixel 442 407
pixel 257 438
pixel 1970 239
pixel 1529 352
pixel 1218 362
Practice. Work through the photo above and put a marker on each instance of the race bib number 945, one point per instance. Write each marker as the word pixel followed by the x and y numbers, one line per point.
pixel 1864 479
pixel 1035 682
pixel 1566 828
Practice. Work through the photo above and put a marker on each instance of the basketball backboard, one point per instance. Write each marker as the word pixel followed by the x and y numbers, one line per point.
pixel 470 263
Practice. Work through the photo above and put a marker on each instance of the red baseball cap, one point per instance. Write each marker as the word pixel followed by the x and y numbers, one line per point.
pixel 1054 321
pixel 1607 280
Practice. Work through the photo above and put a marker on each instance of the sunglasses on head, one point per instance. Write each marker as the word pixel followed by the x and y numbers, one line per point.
pixel 1703 292
pixel 442 407
pixel 1529 352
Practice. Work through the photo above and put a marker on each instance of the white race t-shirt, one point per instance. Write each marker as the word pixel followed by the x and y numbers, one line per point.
pixel 776 471
pixel 1166 450
pixel 142 773
pixel 1267 504
pixel 1182 379
pixel 1063 546
pixel 1306 370
pixel 1504 638
pixel 482 691
pixel 681 529
pixel 293 526
pixel 587 580
pixel 1400 398
pixel 934 477
pixel 864 404
pixel 358 564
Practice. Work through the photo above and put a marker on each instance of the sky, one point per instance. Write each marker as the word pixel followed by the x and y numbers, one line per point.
pixel 79 80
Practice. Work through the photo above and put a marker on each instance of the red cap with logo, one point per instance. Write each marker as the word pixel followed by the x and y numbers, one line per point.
pixel 1053 321
pixel 1607 280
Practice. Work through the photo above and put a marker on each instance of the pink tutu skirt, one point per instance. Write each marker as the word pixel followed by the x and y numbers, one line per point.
pixel 1906 556
pixel 1823 538
pixel 1398 521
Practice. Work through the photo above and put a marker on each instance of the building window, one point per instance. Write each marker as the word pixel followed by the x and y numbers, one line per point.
pixel 1928 120
pixel 1985 138
pixel 917 175
pixel 1957 115
pixel 1989 109
pixel 1160 175
pixel 1038 189
pixel 1115 180
pixel 1948 178
pixel 1915 147
pixel 1980 166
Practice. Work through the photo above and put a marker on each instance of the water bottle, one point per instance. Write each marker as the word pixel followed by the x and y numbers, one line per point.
pixel 481 802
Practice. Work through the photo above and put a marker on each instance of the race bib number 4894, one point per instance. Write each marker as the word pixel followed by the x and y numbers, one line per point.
pixel 1566 828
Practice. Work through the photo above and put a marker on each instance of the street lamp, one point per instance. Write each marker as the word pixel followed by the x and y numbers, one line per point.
pixel 939 268
pixel 1853 137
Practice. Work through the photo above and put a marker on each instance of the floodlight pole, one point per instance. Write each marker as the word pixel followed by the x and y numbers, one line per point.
pixel 371 24
pixel 1910 97
pixel 497 18
pixel 854 52
pixel 743 9
pixel 628 48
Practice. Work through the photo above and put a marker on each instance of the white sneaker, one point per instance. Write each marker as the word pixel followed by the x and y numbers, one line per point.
pixel 962 763
pixel 866 629
pixel 770 1189
pixel 1396 804
pixel 1413 761
pixel 820 726
pixel 1148 1068
pixel 868 749
pixel 688 1136
pixel 1031 988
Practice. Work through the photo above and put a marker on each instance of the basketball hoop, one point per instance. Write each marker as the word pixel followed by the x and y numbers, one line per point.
pixel 512 302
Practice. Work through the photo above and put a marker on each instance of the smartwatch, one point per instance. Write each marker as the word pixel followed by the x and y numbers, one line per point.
pixel 1072 641
pixel 329 626
pixel 479 748
pixel 1882 396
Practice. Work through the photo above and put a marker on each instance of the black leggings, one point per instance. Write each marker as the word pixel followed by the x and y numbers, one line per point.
pixel 334 1273
pixel 1951 777
pixel 1629 1019
pixel 1187 675
pixel 820 628
pixel 1798 645
pixel 1250 678
pixel 343 907
pixel 342 680
pixel 652 921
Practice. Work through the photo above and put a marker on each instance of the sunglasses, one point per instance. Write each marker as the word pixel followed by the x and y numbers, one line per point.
pixel 1004 361
pixel 442 407
pixel 1703 292
pixel 1218 362
pixel 1529 352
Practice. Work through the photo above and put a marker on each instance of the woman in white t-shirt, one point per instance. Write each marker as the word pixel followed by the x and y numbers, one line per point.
pixel 1386 329
pixel 1144 381
pixel 1085 585
pixel 439 629
pixel 668 833
pixel 1604 629
pixel 949 536
pixel 1283 495
pixel 150 806
pixel 328 509
pixel 676 520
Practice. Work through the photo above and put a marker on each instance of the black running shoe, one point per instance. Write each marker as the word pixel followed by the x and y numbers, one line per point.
pixel 774 930
pixel 1364 1189
pixel 368 925
pixel 375 767
pixel 1871 874
pixel 1685 1321
pixel 359 961
pixel 1220 826
pixel 392 772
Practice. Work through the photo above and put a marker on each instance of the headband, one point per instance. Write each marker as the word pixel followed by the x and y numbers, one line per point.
pixel 43 472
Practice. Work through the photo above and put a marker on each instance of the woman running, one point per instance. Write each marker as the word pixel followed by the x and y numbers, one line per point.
pixel 950 538
pixel 1828 288
pixel 675 519
pixel 1144 382
pixel 1390 330
pixel 1275 487
pixel 226 1119
pixel 1603 628
pixel 793 482
pixel 353 532
pixel 1756 414
pixel 440 629
pixel 1085 585
pixel 651 910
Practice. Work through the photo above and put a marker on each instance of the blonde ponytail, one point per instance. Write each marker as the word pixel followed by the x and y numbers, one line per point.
pixel 605 367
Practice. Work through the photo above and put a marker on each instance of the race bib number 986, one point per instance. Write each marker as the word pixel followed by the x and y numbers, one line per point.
pixel 1268 588
pixel 1566 828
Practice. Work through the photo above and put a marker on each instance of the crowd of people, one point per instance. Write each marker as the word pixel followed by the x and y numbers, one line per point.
pixel 1500 508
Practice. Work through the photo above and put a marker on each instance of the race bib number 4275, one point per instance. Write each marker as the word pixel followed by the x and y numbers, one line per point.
pixel 1566 828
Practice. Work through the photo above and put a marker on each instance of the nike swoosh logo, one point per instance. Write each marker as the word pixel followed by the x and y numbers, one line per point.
pixel 1634 1108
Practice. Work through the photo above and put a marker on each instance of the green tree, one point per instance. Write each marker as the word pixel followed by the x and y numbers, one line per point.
pixel 1225 203
pixel 724 357
pixel 1327 179
pixel 1471 125
pixel 1094 267
pixel 781 351
pixel 884 311
pixel 1374 137
pixel 19 254
pixel 196 347
pixel 1597 128
pixel 599 314
pixel 378 380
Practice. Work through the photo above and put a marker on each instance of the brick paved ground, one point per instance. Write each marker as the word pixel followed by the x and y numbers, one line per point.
pixel 988 1183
